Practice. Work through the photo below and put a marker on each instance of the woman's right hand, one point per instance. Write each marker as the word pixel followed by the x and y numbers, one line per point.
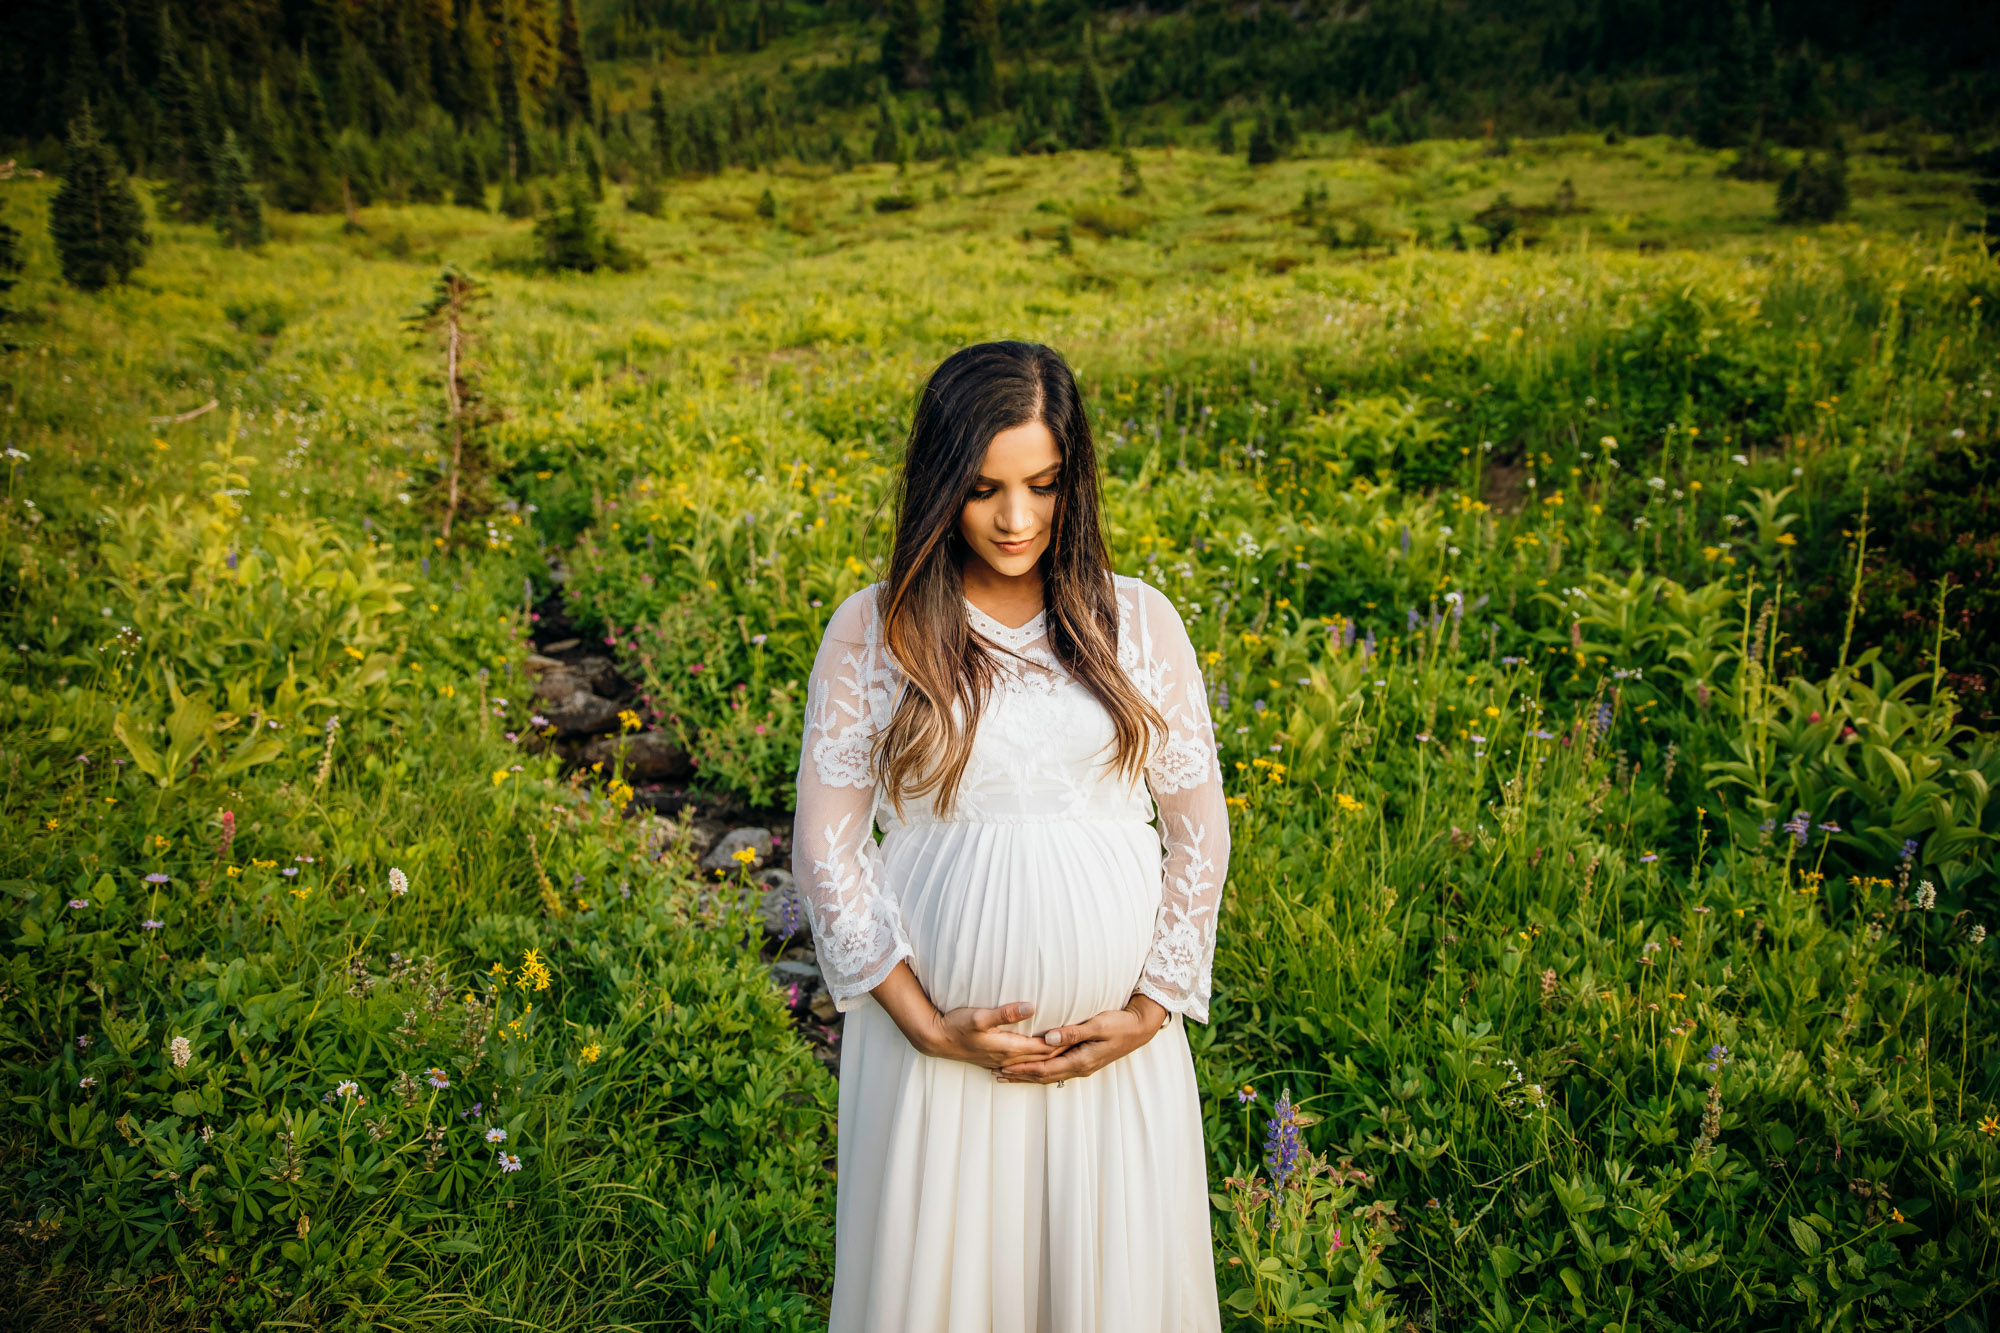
pixel 974 1035
pixel 977 1037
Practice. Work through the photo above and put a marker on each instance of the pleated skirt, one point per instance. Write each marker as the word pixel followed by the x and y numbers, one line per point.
pixel 964 1205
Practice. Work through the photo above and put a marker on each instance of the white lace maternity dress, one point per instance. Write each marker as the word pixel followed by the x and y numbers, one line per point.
pixel 965 1205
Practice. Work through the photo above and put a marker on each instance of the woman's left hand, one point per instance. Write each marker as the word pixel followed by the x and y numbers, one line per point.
pixel 1093 1043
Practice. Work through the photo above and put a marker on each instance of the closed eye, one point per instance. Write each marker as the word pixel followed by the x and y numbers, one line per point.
pixel 988 494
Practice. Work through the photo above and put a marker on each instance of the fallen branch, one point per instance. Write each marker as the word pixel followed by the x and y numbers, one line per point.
pixel 188 415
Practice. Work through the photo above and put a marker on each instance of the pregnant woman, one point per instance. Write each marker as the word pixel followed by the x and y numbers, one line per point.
pixel 1020 1134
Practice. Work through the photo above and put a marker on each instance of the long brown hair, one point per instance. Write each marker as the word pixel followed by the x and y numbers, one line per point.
pixel 974 395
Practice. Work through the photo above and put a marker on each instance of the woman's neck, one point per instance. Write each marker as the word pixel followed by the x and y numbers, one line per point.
pixel 1013 601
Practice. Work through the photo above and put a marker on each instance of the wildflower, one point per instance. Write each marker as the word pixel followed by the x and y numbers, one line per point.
pixel 589 1053
pixel 399 883
pixel 509 1162
pixel 1909 849
pixel 1246 1094
pixel 1799 826
pixel 1718 1056
pixel 1281 1146
pixel 1648 858
pixel 89 1081
pixel 228 821
pixel 1602 722
pixel 534 972
pixel 151 923
pixel 758 638
pixel 78 904
pixel 628 720
pixel 289 871
pixel 1927 895
pixel 157 878
pixel 1977 937
pixel 538 720
pixel 496 1136
pixel 1896 1215
pixel 1990 1125
pixel 1335 1242
pixel 743 855
pixel 500 775
pixel 347 1088
pixel 1829 827
pixel 437 1078
pixel 181 1050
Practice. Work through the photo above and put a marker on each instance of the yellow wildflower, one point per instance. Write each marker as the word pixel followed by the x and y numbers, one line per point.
pixel 534 972
pixel 589 1054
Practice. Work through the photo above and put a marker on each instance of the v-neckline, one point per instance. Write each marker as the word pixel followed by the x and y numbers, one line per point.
pixel 1014 636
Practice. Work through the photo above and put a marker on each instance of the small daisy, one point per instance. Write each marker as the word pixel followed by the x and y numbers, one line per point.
pixel 347 1088
pixel 437 1078
pixel 509 1162
pixel 87 1082
pixel 151 923
pixel 157 878
pixel 496 1136
pixel 78 904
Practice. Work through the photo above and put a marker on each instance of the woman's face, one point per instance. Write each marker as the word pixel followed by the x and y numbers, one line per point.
pixel 1007 515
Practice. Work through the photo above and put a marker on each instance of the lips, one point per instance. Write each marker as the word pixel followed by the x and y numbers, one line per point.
pixel 1014 548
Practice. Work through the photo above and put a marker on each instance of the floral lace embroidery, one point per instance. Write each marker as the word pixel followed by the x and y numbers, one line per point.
pixel 856 921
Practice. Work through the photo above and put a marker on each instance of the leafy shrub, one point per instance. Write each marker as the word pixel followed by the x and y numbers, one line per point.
pixel 1815 190
pixel 1109 219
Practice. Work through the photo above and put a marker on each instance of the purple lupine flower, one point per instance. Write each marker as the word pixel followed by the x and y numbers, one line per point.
pixel 1414 618
pixel 1404 539
pixel 1718 1056
pixel 1281 1148
pixel 1765 829
pixel 1347 635
pixel 1602 722
pixel 230 560
pixel 1909 849
pixel 1799 826
pixel 1512 661
pixel 425 564
pixel 1370 651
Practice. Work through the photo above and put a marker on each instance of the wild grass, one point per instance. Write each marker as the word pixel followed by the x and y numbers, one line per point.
pixel 1489 557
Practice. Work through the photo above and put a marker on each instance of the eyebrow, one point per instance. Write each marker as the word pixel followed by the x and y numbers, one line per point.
pixel 1053 467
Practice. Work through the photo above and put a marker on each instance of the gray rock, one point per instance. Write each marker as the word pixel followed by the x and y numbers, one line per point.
pixel 649 756
pixel 805 974
pixel 722 856
pixel 577 712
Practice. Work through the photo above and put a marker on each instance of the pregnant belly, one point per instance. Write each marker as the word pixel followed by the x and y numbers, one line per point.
pixel 1059 914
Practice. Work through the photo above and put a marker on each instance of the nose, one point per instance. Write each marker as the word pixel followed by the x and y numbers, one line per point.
pixel 1016 515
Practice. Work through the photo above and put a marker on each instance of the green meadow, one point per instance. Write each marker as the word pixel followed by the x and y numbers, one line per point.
pixel 1600 616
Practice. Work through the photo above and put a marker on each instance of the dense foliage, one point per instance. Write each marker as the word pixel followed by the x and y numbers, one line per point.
pixel 1606 943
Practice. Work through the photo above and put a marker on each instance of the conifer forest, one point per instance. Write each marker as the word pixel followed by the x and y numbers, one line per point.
pixel 434 435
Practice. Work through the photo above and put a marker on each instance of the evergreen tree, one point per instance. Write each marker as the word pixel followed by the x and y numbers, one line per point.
pixel 1225 136
pixel 573 75
pixel 1130 182
pixel 512 127
pixel 516 199
pixel 1815 190
pixel 11 264
pixel 1763 72
pixel 471 191
pixel 1095 125
pixel 95 219
pixel 903 45
pixel 1284 129
pixel 1728 89
pixel 968 50
pixel 666 151
pixel 647 197
pixel 1263 149
pixel 177 143
pixel 239 211
pixel 888 134
pixel 568 234
pixel 1986 189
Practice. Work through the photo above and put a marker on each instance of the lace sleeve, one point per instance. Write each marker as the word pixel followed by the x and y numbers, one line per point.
pixel 1185 776
pixel 857 924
